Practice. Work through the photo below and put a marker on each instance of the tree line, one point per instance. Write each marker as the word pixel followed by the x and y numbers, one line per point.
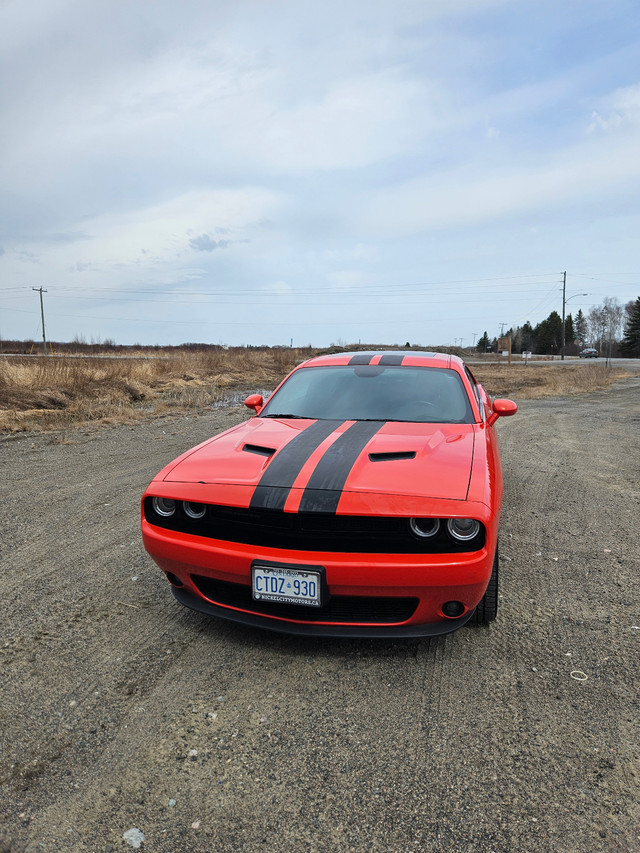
pixel 611 328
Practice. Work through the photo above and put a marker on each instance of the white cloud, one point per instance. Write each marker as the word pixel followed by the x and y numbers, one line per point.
pixel 285 145
pixel 281 288
pixel 165 229
pixel 466 196
pixel 156 241
pixel 358 122
pixel 346 279
pixel 621 110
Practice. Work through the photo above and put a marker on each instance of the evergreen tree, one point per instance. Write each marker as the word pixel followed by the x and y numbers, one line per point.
pixel 628 310
pixel 580 327
pixel 483 343
pixel 526 337
pixel 569 334
pixel 548 335
pixel 630 346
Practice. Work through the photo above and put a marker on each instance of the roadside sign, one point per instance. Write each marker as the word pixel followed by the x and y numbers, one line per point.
pixel 504 345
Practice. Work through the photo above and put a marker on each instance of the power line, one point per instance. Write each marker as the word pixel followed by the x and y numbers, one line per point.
pixel 260 323
pixel 397 287
pixel 268 299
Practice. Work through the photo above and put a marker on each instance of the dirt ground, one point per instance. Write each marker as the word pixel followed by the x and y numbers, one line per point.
pixel 121 710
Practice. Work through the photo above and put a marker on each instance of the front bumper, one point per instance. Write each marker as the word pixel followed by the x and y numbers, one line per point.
pixel 429 580
pixel 374 632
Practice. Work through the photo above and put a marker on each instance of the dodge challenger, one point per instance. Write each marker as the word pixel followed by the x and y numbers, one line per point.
pixel 362 499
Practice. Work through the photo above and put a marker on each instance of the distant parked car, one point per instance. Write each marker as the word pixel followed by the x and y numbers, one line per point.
pixel 590 352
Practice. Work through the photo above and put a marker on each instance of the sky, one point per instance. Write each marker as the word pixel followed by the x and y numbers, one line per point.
pixel 280 171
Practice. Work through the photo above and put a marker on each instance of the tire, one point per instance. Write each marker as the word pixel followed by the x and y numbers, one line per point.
pixel 487 609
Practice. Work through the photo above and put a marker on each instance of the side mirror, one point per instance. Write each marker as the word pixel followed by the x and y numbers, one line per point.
pixel 255 402
pixel 502 409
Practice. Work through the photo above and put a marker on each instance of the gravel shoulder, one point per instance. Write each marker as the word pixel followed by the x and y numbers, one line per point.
pixel 120 709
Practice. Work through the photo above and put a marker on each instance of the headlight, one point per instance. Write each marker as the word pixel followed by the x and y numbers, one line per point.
pixel 424 528
pixel 163 507
pixel 463 529
pixel 194 510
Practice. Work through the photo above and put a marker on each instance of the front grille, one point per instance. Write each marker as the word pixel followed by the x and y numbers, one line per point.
pixel 340 608
pixel 309 531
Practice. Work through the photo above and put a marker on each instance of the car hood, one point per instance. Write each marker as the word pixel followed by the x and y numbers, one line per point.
pixel 320 460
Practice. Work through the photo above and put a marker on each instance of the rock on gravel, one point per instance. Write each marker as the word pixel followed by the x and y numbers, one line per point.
pixel 134 837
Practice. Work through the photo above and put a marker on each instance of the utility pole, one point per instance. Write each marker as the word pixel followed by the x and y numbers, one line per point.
pixel 502 325
pixel 41 290
pixel 564 305
pixel 475 335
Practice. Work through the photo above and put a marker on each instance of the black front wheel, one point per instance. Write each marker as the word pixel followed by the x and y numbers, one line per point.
pixel 487 609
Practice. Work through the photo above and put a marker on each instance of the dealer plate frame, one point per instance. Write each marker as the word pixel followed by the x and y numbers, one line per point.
pixel 288 573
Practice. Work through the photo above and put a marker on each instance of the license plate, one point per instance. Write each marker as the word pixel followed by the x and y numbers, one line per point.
pixel 288 586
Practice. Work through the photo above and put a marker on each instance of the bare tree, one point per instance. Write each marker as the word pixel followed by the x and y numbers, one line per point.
pixel 604 323
pixel 597 324
pixel 614 313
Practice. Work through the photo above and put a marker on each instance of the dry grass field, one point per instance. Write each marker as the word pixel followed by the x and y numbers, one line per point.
pixel 548 380
pixel 57 392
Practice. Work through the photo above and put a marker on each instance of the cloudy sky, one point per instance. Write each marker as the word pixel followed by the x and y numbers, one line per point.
pixel 258 171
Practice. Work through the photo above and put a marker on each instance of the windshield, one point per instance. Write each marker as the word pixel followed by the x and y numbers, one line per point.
pixel 373 393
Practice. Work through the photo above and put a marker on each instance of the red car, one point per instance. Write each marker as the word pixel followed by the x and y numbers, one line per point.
pixel 363 500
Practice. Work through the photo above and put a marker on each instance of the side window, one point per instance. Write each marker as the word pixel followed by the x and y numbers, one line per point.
pixel 474 385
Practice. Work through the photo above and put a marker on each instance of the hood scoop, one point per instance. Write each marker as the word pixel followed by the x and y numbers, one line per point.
pixel 259 449
pixel 392 456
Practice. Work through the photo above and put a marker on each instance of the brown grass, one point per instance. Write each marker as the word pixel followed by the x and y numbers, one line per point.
pixel 53 393
pixel 549 380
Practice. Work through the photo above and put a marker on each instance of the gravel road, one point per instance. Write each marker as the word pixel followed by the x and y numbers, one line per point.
pixel 120 710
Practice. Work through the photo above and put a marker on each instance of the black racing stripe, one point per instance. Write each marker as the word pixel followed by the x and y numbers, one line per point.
pixel 388 360
pixel 276 482
pixel 325 485
pixel 361 358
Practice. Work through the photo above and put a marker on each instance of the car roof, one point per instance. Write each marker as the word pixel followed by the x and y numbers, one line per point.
pixel 387 358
